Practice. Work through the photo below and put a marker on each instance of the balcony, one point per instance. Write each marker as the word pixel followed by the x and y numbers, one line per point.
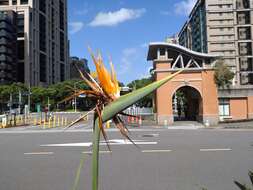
pixel 245 48
pixel 242 4
pixel 244 33
pixel 246 64
pixel 246 78
pixel 243 18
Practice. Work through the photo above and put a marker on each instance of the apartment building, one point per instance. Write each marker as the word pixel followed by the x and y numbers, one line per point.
pixel 223 27
pixel 42 40
pixel 8 47
pixel 81 63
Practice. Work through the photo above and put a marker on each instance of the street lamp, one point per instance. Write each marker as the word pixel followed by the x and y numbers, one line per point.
pixel 75 99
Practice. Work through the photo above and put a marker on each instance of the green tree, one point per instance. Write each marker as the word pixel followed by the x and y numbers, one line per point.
pixel 223 75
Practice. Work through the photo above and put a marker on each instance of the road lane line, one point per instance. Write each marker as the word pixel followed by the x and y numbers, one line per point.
pixel 100 152
pixel 38 153
pixel 215 149
pixel 155 151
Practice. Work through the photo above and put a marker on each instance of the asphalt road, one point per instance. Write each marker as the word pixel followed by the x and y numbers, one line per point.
pixel 165 160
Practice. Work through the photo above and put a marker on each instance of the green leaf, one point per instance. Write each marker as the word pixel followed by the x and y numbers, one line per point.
pixel 241 186
pixel 251 176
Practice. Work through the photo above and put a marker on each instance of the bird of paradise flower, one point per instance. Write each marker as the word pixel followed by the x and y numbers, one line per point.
pixel 109 104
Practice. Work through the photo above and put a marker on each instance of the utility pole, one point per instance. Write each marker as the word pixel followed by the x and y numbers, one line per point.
pixel 75 95
pixel 19 102
pixel 48 104
pixel 29 98
pixel 10 102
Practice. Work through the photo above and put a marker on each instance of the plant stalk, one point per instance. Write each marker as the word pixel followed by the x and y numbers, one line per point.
pixel 95 155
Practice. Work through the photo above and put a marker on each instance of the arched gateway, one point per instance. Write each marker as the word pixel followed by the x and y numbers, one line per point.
pixel 192 95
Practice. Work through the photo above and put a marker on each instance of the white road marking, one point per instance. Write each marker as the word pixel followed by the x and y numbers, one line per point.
pixel 111 142
pixel 38 153
pixel 69 145
pixel 215 149
pixel 100 152
pixel 155 151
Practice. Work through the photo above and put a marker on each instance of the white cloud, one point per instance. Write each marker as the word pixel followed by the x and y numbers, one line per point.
pixel 75 27
pixel 117 17
pixel 184 7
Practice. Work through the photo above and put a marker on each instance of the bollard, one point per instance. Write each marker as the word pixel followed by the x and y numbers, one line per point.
pixel 66 121
pixel 44 124
pixel 49 123
pixel 140 121
pixel 108 124
pixel 207 124
pixel 58 122
pixel 62 121
pixel 54 122
pixel 35 121
pixel 165 123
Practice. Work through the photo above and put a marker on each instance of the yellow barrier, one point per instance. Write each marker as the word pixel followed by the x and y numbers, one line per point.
pixel 108 125
pixel 66 122
pixel 44 124
pixel 54 122
pixel 35 121
pixel 58 123
pixel 49 123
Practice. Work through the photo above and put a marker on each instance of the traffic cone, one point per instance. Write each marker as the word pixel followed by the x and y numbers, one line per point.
pixel 132 119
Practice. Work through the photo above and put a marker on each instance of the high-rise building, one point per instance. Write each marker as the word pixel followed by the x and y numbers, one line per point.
pixel 223 27
pixel 42 40
pixel 8 47
pixel 82 64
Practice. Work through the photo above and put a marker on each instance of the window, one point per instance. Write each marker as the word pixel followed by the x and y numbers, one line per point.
pixel 224 107
pixel 24 2
pixel 20 24
pixel 4 2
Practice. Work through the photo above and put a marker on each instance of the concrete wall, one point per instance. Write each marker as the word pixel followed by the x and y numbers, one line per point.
pixel 238 108
pixel 250 107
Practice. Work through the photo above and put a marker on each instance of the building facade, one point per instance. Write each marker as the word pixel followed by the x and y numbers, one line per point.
pixel 193 95
pixel 42 40
pixel 82 64
pixel 8 47
pixel 225 28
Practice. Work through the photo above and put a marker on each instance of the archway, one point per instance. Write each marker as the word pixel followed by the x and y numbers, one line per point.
pixel 187 104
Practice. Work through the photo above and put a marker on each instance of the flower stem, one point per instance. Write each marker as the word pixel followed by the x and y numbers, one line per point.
pixel 95 156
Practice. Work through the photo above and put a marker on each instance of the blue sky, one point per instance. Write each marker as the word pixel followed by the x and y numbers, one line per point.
pixel 123 29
